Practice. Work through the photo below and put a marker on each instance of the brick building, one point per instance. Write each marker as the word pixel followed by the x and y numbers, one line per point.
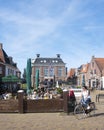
pixel 49 68
pixel 95 74
pixel 7 65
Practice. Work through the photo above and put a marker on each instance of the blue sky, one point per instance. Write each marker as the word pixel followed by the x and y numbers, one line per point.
pixel 72 28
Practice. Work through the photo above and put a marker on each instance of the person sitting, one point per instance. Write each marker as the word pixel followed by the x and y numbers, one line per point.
pixel 85 97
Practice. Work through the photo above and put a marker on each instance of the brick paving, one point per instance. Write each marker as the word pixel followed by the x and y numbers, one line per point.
pixel 53 121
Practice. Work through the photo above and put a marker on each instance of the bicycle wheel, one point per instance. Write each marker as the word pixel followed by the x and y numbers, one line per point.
pixel 92 109
pixel 79 112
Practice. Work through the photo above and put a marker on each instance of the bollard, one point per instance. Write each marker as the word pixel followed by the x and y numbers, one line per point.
pixel 65 103
pixel 20 101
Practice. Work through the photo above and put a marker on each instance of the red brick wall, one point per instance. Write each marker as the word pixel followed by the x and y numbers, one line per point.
pixel 3 70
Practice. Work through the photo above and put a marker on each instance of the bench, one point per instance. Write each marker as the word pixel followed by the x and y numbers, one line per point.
pixel 99 96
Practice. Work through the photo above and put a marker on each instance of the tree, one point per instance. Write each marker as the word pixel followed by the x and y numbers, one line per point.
pixel 24 73
pixel 23 80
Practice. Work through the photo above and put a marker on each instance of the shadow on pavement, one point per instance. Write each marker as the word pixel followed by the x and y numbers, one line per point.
pixel 99 114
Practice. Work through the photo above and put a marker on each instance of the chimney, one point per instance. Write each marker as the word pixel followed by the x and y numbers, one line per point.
pixel 38 55
pixel 1 46
pixel 58 55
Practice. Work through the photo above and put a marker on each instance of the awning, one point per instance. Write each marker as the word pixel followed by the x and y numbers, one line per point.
pixel 10 79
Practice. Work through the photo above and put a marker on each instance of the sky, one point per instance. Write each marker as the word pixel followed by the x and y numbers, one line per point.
pixel 72 28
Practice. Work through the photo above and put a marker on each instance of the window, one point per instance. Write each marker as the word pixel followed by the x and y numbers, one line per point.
pixel 59 71
pixel 51 72
pixel 45 61
pixel 45 72
pixel 10 71
pixel 93 84
pixel 91 72
pixel 94 71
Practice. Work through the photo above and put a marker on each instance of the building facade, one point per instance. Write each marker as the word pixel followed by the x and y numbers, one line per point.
pixel 72 76
pixel 91 74
pixel 82 78
pixel 49 69
pixel 7 65
pixel 95 73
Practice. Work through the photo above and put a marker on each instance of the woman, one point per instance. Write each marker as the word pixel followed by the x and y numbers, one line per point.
pixel 85 97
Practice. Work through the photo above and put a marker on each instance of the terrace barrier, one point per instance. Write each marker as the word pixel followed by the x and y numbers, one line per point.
pixel 23 105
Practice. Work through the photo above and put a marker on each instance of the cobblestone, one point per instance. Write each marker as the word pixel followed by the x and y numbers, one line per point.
pixel 53 121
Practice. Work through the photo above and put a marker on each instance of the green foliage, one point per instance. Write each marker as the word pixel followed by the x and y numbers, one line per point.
pixel 24 86
pixel 24 73
pixel 78 86
pixel 59 91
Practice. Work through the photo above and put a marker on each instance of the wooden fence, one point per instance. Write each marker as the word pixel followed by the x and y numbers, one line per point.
pixel 22 105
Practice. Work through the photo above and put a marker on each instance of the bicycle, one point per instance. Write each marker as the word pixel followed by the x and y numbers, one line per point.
pixel 81 112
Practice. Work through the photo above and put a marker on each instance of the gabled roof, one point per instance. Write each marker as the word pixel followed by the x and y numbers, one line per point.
pixel 4 58
pixel 47 61
pixel 100 63
pixel 84 68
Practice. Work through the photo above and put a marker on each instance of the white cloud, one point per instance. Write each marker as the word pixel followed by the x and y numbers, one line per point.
pixel 36 27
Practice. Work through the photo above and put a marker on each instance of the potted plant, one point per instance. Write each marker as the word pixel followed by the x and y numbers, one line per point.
pixel 59 92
